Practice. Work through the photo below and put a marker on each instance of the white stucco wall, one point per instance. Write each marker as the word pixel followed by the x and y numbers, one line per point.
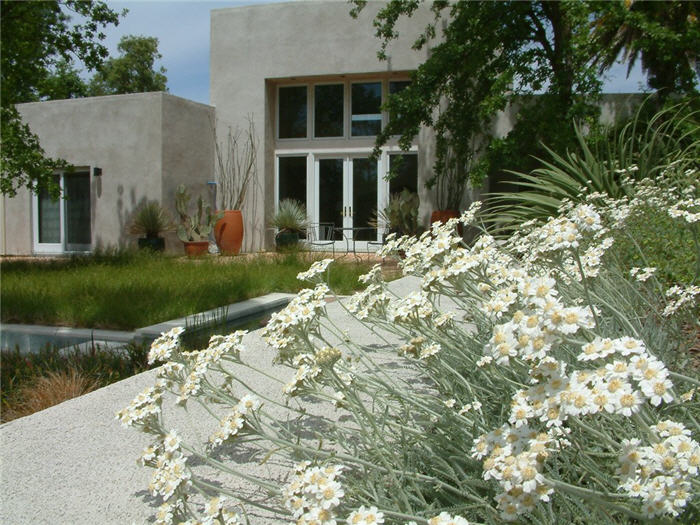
pixel 253 47
pixel 145 143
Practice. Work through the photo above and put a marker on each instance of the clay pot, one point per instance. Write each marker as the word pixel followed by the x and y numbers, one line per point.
pixel 196 248
pixel 228 232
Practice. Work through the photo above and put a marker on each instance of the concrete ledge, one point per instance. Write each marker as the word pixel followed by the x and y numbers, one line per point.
pixel 231 312
pixel 32 336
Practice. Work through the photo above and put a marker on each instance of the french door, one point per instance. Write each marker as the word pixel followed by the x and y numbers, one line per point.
pixel 348 192
pixel 63 225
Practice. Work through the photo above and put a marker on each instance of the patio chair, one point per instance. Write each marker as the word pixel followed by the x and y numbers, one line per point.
pixel 321 234
pixel 382 232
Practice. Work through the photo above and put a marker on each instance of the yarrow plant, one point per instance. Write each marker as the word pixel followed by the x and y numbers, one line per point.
pixel 533 380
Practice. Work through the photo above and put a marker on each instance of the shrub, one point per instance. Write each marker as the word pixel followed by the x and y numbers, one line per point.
pixel 540 380
pixel 49 390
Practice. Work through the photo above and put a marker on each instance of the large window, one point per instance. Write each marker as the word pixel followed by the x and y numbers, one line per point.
pixel 328 110
pixel 366 109
pixel 63 225
pixel 341 110
pixel 292 112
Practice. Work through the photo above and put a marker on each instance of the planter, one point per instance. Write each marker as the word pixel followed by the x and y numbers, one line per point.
pixel 196 248
pixel 228 232
pixel 157 244
pixel 286 240
pixel 443 216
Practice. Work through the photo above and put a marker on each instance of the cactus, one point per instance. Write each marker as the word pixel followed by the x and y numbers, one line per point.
pixel 194 228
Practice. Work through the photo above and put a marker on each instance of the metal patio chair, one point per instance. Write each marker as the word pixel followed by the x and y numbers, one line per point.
pixel 321 234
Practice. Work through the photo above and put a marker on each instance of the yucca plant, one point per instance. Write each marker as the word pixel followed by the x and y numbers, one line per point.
pixel 290 217
pixel 150 220
pixel 642 148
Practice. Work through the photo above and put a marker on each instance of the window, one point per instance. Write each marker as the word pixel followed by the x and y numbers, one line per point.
pixel 328 110
pixel 396 86
pixel 366 109
pixel 406 173
pixel 63 225
pixel 292 112
pixel 292 179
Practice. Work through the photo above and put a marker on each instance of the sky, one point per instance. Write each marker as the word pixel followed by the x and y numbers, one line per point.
pixel 182 29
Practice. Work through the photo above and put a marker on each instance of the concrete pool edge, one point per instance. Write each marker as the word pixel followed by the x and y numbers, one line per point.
pixel 78 336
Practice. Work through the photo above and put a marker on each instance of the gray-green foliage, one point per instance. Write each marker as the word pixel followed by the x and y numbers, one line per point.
pixel 197 227
pixel 401 213
pixel 290 216
pixel 151 219
pixel 642 148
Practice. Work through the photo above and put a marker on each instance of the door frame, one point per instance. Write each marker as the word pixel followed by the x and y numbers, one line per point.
pixel 62 246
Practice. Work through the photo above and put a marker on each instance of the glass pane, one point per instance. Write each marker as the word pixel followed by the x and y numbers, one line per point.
pixel 328 114
pixel 366 109
pixel 77 188
pixel 330 208
pixel 364 198
pixel 49 217
pixel 407 174
pixel 398 86
pixel 292 179
pixel 292 112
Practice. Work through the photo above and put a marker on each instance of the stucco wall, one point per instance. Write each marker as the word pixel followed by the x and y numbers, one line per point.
pixel 139 141
pixel 187 154
pixel 253 46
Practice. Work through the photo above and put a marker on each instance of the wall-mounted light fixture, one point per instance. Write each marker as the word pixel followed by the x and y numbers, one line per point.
pixel 96 172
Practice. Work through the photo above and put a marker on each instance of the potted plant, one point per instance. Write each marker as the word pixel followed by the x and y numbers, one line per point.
pixel 290 221
pixel 400 215
pixel 450 180
pixel 149 221
pixel 194 230
pixel 236 166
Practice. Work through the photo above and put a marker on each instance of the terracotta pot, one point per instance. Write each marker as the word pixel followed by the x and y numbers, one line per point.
pixel 228 232
pixel 195 248
pixel 444 215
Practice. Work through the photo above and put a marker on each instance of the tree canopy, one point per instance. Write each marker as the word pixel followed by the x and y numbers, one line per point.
pixel 36 42
pixel 492 54
pixel 133 71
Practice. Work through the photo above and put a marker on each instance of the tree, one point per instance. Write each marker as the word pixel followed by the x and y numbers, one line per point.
pixel 63 82
pixel 133 71
pixel 34 38
pixel 491 54
pixel 664 36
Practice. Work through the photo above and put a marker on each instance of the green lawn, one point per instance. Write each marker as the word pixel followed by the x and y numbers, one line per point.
pixel 131 290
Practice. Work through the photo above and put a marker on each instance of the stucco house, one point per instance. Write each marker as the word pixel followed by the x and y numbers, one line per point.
pixel 308 77
pixel 126 150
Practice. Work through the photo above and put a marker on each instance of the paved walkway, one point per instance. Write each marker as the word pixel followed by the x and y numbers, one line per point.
pixel 75 464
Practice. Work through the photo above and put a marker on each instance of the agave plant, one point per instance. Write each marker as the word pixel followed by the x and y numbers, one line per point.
pixel 642 148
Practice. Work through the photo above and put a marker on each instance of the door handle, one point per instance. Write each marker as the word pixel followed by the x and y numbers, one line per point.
pixel 345 211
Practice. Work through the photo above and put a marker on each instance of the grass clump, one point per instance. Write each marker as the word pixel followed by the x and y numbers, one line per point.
pixel 35 381
pixel 129 290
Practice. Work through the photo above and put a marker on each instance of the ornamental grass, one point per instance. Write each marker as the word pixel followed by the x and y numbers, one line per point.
pixel 539 380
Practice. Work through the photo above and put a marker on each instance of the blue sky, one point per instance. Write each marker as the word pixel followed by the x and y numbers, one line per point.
pixel 182 29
